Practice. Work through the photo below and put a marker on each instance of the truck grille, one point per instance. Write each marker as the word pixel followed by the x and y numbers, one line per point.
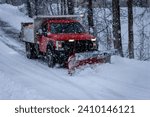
pixel 78 46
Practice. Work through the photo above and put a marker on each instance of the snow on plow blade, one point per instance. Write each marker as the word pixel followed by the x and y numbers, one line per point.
pixel 81 59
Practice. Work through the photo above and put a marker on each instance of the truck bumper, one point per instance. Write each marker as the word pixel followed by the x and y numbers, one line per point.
pixel 61 56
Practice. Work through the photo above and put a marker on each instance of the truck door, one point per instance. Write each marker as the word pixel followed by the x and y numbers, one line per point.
pixel 43 39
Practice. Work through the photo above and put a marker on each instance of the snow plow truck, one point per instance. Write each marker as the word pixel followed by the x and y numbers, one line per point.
pixel 62 40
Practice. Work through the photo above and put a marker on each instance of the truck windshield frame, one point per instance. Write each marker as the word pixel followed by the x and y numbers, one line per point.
pixel 72 27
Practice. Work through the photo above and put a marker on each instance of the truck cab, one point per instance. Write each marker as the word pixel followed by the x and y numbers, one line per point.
pixel 64 37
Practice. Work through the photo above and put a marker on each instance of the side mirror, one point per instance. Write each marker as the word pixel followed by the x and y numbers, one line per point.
pixel 39 32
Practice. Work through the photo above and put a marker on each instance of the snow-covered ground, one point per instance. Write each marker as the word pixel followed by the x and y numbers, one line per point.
pixel 21 78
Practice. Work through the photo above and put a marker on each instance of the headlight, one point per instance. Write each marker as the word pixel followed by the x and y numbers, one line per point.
pixel 71 40
pixel 94 42
pixel 94 39
pixel 59 45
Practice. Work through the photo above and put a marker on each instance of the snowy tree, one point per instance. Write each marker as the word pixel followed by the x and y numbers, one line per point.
pixel 143 46
pixel 44 7
pixel 103 23
pixel 63 7
pixel 67 7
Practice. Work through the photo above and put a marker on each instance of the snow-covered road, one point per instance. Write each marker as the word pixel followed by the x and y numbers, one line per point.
pixel 29 79
pixel 21 78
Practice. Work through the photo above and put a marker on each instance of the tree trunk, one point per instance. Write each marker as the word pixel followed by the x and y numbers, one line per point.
pixel 90 18
pixel 130 29
pixel 36 7
pixel 58 11
pixel 61 5
pixel 70 5
pixel 64 7
pixel 29 9
pixel 117 26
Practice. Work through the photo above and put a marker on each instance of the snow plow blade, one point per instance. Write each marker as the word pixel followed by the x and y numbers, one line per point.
pixel 80 59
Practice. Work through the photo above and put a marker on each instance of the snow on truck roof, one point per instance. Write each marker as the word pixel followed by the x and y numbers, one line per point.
pixel 59 18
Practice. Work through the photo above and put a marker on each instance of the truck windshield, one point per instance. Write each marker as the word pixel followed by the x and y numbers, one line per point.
pixel 73 27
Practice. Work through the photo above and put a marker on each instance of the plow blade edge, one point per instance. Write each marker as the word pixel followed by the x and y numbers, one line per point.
pixel 80 59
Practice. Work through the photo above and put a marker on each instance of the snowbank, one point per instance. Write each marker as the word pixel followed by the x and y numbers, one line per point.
pixel 13 16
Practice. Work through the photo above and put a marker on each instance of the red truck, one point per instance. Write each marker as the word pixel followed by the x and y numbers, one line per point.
pixel 58 38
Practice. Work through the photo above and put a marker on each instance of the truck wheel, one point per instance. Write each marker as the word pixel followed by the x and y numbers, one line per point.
pixel 30 51
pixel 50 58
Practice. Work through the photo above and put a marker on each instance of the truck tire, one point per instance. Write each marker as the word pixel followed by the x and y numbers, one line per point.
pixel 30 51
pixel 50 58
